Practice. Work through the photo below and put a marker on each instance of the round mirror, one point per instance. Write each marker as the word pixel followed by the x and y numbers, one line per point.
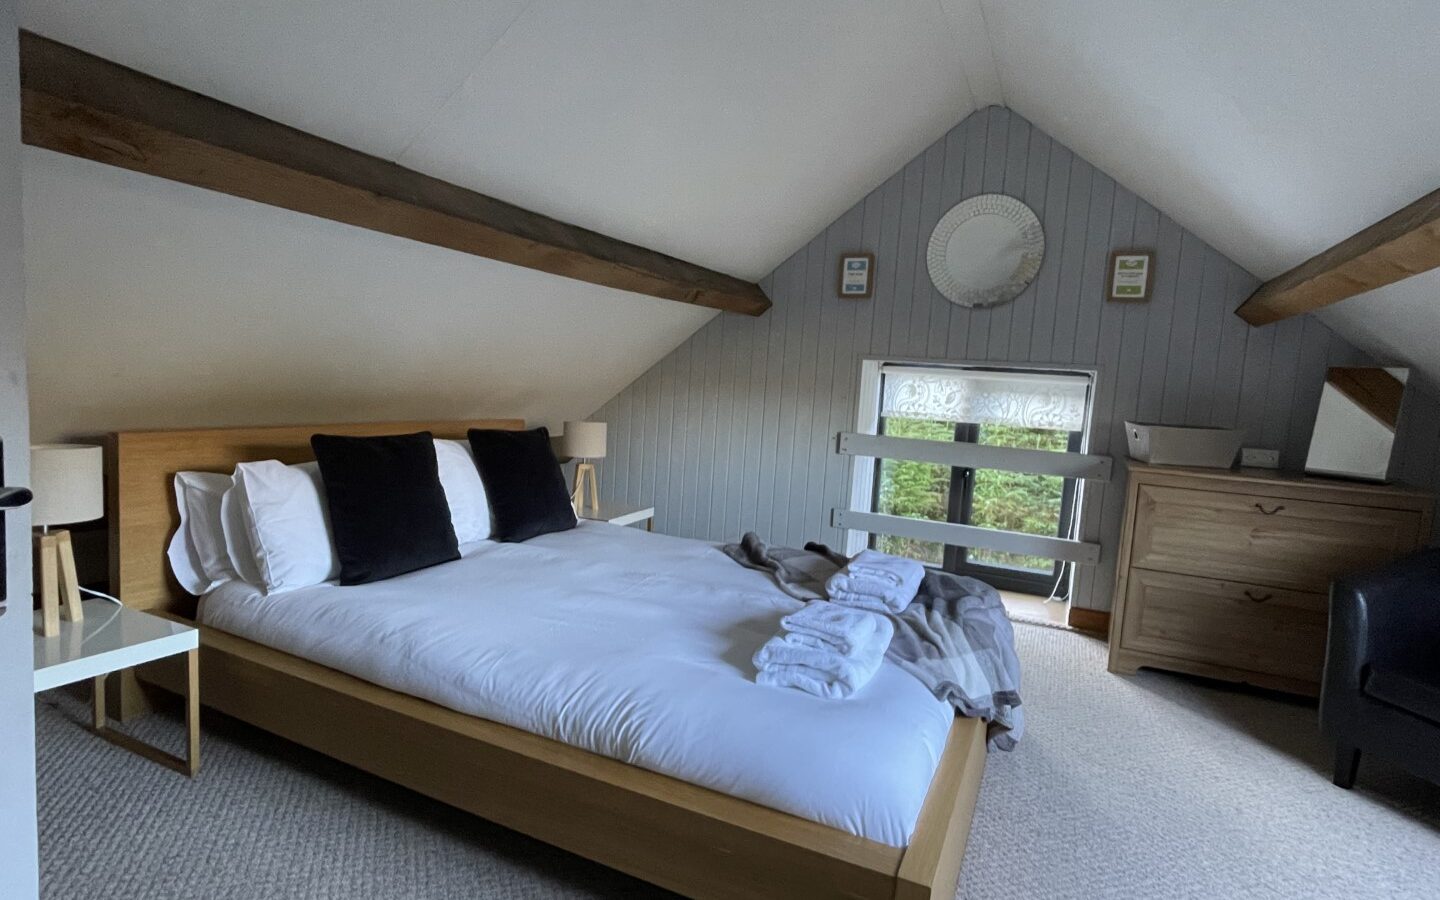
pixel 986 250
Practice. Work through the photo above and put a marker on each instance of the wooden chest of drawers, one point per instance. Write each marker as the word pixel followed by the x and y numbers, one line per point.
pixel 1226 573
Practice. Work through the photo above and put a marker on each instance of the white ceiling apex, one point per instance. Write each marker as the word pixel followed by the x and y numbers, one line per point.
pixel 977 51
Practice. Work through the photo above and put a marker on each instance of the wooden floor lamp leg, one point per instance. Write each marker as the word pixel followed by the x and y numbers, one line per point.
pixel 69 584
pixel 49 567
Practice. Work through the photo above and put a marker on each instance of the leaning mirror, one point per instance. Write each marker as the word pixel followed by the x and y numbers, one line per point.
pixel 986 250
pixel 1355 426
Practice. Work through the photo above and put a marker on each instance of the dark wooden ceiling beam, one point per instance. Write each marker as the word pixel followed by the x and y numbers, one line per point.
pixel 1391 250
pixel 82 105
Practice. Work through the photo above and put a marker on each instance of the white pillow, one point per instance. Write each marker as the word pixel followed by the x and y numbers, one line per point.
pixel 287 523
pixel 464 491
pixel 184 560
pixel 237 536
pixel 197 552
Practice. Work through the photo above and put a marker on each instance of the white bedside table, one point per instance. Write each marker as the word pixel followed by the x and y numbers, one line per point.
pixel 622 515
pixel 112 638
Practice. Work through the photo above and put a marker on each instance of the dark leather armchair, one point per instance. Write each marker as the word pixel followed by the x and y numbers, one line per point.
pixel 1381 690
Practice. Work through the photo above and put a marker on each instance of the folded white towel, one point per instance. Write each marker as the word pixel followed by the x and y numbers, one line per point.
pixel 876 581
pixel 821 670
pixel 804 678
pixel 843 628
pixel 892 570
pixel 819 643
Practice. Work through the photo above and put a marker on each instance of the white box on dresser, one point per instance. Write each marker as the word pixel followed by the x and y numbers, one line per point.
pixel 1226 573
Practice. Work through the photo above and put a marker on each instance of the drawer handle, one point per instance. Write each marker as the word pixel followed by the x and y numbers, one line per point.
pixel 1268 512
pixel 1260 599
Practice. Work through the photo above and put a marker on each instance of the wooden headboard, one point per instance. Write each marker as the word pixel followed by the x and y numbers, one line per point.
pixel 140 496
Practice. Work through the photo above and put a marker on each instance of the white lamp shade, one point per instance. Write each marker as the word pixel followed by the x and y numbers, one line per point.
pixel 68 481
pixel 583 440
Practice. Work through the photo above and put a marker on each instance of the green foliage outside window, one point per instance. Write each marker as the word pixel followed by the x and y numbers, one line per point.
pixel 917 490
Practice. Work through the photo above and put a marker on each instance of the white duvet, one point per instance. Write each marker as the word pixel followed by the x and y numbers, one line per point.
pixel 633 645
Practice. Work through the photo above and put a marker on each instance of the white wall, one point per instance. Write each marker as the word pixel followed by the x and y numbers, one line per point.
pixel 18 860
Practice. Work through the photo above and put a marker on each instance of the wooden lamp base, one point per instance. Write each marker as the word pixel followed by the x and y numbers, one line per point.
pixel 585 471
pixel 56 581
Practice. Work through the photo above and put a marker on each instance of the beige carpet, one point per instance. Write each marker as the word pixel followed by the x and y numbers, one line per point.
pixel 1148 787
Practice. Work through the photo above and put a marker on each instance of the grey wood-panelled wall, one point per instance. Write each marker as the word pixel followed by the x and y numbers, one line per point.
pixel 734 430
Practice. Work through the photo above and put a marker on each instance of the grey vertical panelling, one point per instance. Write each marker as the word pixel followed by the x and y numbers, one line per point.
pixel 1090 321
pixel 1309 381
pixel 1103 503
pixel 887 249
pixel 1037 168
pixel 1181 344
pixel 768 438
pixel 1017 157
pixel 1044 293
pixel 805 505
pixel 1254 373
pixel 935 323
pixel 789 396
pixel 1159 312
pixel 1072 262
pixel 690 469
pixel 905 253
pixel 847 233
pixel 932 176
pixel 1280 384
pixel 1234 342
pixel 749 487
pixel 735 430
pixel 1209 321
pixel 958 185
pixel 733 388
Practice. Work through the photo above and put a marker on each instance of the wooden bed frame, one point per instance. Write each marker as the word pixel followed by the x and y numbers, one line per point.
pixel 688 839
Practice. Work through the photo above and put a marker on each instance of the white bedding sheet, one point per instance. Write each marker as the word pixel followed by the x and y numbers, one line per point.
pixel 630 644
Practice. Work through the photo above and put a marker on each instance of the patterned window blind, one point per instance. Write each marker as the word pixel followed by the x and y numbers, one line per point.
pixel 1050 400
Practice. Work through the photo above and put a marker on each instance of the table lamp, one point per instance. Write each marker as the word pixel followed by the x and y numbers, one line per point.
pixel 584 441
pixel 68 481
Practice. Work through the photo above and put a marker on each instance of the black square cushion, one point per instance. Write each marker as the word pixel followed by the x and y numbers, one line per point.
pixel 523 482
pixel 387 509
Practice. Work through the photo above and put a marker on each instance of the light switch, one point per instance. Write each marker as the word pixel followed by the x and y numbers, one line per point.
pixel 1259 458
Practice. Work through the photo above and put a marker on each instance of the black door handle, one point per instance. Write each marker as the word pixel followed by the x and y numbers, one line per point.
pixel 14 497
pixel 10 498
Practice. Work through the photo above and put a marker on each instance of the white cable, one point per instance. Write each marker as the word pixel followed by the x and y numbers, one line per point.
pixel 114 600
pixel 94 629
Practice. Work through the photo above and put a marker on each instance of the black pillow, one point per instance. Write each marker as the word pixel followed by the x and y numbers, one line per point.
pixel 387 509
pixel 523 482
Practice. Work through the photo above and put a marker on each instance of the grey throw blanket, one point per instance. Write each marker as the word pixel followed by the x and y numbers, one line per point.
pixel 799 573
pixel 954 638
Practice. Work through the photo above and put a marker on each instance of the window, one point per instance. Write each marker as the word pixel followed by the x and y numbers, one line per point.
pixel 992 407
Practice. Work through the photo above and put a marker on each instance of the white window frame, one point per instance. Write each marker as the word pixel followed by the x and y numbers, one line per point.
pixel 867 422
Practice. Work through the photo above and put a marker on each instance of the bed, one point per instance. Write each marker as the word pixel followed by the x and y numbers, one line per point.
pixel 610 713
